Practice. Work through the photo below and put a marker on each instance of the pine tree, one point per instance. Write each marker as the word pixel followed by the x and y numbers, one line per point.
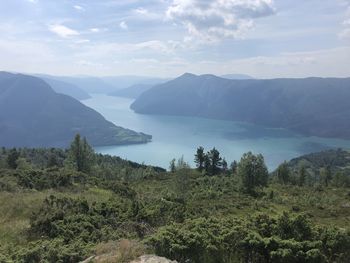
pixel 283 173
pixel 81 154
pixel 233 167
pixel 302 176
pixel 224 165
pixel 325 175
pixel 199 158
pixel 172 166
pixel 215 161
pixel 12 158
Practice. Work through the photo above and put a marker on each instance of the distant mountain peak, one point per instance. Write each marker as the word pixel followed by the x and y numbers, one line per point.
pixel 187 75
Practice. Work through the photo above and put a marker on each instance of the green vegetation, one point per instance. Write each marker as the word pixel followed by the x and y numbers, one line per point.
pixel 67 205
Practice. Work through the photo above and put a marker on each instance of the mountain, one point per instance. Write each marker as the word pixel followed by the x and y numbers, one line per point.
pixel 87 84
pixel 236 76
pixel 32 114
pixel 123 82
pixel 132 92
pixel 336 160
pixel 67 89
pixel 311 106
pixel 104 85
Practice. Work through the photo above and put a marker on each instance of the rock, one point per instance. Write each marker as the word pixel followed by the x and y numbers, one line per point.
pixel 346 205
pixel 152 259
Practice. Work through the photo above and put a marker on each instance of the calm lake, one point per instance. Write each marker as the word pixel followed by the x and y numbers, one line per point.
pixel 175 136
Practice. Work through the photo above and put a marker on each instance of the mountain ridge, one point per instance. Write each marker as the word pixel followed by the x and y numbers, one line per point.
pixel 311 106
pixel 32 114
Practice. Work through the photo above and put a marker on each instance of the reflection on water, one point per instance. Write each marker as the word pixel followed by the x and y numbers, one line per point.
pixel 174 136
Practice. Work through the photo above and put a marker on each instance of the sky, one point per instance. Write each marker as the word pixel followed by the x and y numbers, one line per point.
pixel 165 38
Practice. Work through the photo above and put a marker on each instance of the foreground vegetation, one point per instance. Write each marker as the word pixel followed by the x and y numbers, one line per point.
pixel 66 205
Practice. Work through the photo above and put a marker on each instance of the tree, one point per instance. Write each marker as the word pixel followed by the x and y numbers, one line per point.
pixel 233 167
pixel 340 179
pixel 224 165
pixel 172 166
pixel 206 163
pixel 283 173
pixel 81 154
pixel 325 175
pixel 52 159
pixel 182 164
pixel 302 176
pixel 199 158
pixel 12 158
pixel 252 171
pixel 215 161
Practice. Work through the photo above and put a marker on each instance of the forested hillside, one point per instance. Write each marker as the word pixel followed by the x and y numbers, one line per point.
pixel 312 106
pixel 33 115
pixel 68 205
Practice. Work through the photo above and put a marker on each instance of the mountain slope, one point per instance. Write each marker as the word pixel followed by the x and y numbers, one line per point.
pixel 32 114
pixel 104 85
pixel 67 89
pixel 336 160
pixel 312 106
pixel 132 92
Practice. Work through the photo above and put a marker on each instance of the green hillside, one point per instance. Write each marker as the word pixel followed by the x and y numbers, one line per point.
pixel 67 205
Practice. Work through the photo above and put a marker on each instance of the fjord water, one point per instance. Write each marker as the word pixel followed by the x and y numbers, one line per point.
pixel 176 136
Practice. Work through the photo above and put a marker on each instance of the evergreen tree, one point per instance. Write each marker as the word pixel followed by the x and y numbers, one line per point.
pixel 52 159
pixel 215 161
pixel 252 171
pixel 81 154
pixel 302 176
pixel 224 165
pixel 12 158
pixel 283 173
pixel 199 158
pixel 325 176
pixel 172 166
pixel 207 164
pixel 233 167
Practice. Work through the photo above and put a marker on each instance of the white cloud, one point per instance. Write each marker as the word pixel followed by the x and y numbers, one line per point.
pixel 123 25
pixel 212 20
pixel 79 8
pixel 33 1
pixel 63 31
pixel 141 11
pixel 95 30
pixel 82 41
pixel 345 33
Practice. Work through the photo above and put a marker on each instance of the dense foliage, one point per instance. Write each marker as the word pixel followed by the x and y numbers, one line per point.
pixel 66 205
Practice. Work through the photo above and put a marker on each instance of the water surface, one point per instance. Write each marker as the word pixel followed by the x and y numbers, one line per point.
pixel 174 136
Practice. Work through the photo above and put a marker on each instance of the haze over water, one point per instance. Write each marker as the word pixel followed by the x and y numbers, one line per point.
pixel 174 136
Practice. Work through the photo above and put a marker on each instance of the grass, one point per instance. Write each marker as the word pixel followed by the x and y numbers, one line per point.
pixel 205 196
